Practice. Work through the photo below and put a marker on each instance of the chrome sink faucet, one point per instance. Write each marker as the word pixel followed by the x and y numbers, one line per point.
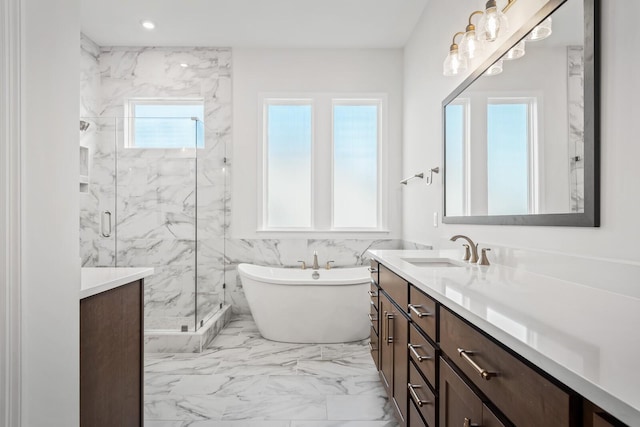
pixel 315 261
pixel 472 246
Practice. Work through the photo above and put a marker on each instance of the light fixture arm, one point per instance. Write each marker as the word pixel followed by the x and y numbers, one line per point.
pixel 454 45
pixel 477 12
pixel 508 6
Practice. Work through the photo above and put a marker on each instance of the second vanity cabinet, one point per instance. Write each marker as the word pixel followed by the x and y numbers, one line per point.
pixel 440 370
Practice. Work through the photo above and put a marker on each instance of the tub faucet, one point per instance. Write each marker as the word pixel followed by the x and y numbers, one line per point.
pixel 472 246
pixel 315 261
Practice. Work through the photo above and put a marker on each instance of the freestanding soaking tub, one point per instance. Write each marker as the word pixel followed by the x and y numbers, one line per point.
pixel 289 305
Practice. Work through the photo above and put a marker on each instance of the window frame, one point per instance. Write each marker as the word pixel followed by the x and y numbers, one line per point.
pixel 351 101
pixel 264 176
pixel 322 163
pixel 129 121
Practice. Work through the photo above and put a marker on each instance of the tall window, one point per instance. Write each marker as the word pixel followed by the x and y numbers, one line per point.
pixel 164 123
pixel 321 163
pixel 355 163
pixel 511 186
pixel 288 163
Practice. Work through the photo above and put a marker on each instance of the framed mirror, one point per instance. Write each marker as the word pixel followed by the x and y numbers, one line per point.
pixel 521 134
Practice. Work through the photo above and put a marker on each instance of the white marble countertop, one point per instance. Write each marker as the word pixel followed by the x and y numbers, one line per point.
pixel 96 280
pixel 586 337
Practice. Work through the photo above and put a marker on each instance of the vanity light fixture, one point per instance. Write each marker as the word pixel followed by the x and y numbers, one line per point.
pixel 470 45
pixel 493 22
pixel 147 25
pixel 516 51
pixel 454 63
pixel 541 31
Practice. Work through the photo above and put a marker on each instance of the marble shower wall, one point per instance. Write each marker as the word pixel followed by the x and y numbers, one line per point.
pixel 162 199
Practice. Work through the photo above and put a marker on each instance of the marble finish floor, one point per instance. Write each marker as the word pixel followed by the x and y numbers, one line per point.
pixel 243 380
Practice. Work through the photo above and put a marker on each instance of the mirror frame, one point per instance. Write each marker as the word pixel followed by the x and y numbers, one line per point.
pixel 591 215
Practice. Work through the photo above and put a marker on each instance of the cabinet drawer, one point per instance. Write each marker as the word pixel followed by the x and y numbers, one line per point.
pixel 423 354
pixel 374 347
pixel 374 318
pixel 373 268
pixel 422 310
pixel 525 397
pixel 395 286
pixel 374 294
pixel 421 395
pixel 415 420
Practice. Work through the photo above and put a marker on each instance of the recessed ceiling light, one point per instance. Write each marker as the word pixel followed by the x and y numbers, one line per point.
pixel 148 25
pixel 183 65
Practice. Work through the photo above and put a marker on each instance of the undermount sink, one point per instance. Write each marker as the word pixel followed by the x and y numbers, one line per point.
pixel 433 262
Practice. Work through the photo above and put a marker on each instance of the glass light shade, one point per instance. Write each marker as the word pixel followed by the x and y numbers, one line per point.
pixel 454 63
pixel 541 31
pixel 495 69
pixel 492 25
pixel 470 46
pixel 515 52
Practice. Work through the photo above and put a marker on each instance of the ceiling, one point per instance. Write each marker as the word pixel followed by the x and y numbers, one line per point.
pixel 252 23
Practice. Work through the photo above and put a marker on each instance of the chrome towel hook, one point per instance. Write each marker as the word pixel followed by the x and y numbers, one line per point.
pixel 431 171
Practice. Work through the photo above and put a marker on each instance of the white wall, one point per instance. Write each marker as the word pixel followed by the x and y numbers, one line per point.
pixel 51 274
pixel 425 88
pixel 307 70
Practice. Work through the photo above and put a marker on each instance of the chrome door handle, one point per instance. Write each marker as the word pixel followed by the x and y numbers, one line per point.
pixel 389 319
pixel 372 270
pixel 420 314
pixel 104 233
pixel 372 294
pixel 372 319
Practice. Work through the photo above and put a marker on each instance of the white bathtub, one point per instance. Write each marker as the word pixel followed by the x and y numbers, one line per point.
pixel 288 305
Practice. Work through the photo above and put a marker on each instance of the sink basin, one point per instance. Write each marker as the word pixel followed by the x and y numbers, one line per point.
pixel 434 262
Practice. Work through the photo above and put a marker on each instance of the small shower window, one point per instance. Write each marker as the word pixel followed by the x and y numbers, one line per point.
pixel 164 123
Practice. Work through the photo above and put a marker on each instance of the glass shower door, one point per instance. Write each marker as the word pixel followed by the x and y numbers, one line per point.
pixel 97 186
pixel 156 215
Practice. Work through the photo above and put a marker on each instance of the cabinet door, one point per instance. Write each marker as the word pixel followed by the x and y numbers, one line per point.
pixel 384 345
pixel 111 358
pixel 459 405
pixel 400 337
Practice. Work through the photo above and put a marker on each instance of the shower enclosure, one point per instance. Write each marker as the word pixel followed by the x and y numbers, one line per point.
pixel 153 194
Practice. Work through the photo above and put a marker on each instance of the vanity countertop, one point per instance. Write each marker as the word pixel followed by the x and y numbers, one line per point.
pixel 586 337
pixel 100 279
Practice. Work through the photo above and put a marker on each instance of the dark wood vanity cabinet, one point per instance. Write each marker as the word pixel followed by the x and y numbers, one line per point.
pixel 439 370
pixel 111 358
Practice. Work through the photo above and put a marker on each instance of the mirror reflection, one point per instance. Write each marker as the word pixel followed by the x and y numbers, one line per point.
pixel 514 138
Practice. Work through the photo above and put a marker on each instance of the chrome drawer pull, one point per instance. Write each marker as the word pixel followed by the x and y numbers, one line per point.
pixel 414 395
pixel 468 423
pixel 374 305
pixel 483 372
pixel 413 350
pixel 373 319
pixel 372 270
pixel 420 314
pixel 372 294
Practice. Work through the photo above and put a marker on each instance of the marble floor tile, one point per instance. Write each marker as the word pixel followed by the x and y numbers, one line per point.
pixel 243 380
pixel 362 407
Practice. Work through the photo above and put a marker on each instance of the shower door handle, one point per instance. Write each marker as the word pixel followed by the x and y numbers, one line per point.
pixel 105 220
